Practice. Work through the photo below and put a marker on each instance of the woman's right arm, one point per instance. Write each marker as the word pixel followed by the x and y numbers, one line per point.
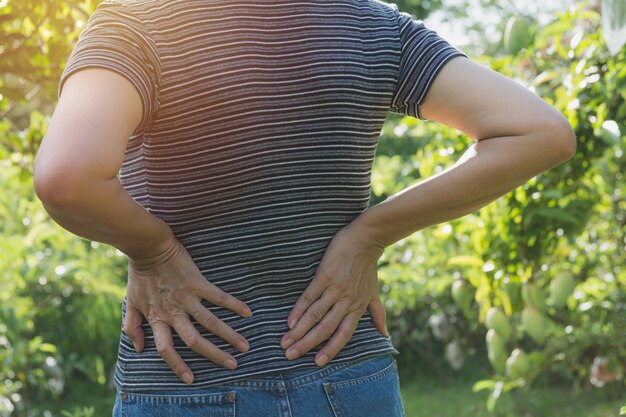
pixel 517 136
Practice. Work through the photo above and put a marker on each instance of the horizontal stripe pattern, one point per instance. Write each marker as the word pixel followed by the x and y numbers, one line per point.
pixel 261 122
pixel 110 37
pixel 424 53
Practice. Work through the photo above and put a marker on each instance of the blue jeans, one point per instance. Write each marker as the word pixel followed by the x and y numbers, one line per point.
pixel 367 387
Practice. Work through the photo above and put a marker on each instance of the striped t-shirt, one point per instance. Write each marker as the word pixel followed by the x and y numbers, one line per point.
pixel 260 126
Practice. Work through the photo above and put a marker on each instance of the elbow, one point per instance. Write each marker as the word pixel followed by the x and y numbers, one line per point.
pixel 55 189
pixel 562 138
pixel 57 182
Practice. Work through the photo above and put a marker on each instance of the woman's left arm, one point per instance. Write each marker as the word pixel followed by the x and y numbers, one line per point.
pixel 76 166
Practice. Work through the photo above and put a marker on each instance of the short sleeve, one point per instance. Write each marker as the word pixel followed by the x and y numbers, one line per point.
pixel 423 54
pixel 115 39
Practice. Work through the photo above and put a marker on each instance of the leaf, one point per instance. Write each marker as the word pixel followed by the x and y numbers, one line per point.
pixel 516 383
pixel 557 214
pixel 48 347
pixel 483 384
pixel 549 194
pixel 544 77
pixel 466 261
pixel 606 136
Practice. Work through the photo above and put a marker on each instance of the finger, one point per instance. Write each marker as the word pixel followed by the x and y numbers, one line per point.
pixel 199 344
pixel 132 327
pixel 342 336
pixel 165 347
pixel 308 297
pixel 322 331
pixel 215 295
pixel 379 316
pixel 313 315
pixel 210 322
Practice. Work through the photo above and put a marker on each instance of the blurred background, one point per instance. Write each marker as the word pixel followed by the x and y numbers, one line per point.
pixel 518 309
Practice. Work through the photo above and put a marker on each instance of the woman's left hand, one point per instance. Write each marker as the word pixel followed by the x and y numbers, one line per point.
pixel 345 285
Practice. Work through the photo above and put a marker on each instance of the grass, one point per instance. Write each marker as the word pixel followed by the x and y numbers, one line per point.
pixel 424 395
pixel 452 396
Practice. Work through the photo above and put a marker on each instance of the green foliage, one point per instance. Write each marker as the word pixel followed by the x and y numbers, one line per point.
pixel 36 41
pixel 59 294
pixel 59 299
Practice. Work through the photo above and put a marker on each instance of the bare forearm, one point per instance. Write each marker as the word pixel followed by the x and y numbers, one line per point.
pixel 102 210
pixel 488 170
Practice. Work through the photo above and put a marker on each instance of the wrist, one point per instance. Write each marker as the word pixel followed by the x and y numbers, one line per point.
pixel 364 235
pixel 160 251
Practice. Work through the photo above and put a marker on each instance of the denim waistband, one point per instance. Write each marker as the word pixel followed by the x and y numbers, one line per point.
pixel 285 380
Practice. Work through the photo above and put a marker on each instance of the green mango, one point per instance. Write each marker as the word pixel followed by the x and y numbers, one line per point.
pixel 495 351
pixel 462 293
pixel 534 324
pixel 561 288
pixel 517 364
pixel 533 296
pixel 497 321
pixel 517 34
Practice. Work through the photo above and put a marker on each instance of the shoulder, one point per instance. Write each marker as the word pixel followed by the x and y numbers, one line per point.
pixel 387 9
pixel 385 5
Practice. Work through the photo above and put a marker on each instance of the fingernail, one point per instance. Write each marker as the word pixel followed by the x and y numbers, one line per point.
pixel 243 346
pixel 247 312
pixel 135 346
pixel 187 378
pixel 292 353
pixel 322 360
pixel 292 323
pixel 230 363
pixel 288 343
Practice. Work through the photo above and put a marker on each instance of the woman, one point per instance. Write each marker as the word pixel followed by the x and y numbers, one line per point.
pixel 245 134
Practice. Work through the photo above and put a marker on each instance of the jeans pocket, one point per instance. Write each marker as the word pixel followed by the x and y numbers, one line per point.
pixel 212 403
pixel 369 389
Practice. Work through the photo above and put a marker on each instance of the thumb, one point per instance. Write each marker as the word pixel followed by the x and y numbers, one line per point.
pixel 379 316
pixel 132 327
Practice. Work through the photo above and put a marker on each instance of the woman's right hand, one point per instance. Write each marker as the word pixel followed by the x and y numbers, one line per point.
pixel 165 288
